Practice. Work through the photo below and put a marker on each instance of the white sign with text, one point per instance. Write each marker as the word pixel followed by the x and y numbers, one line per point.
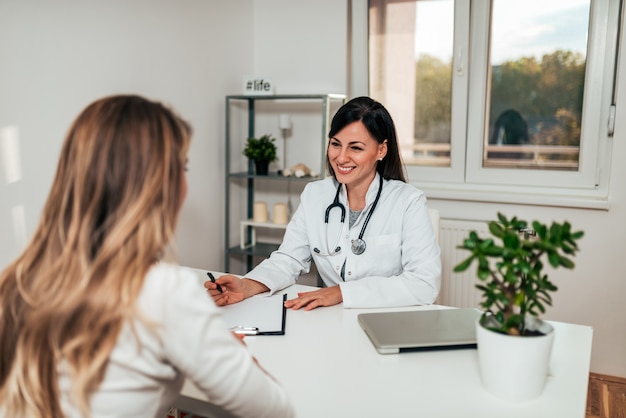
pixel 257 86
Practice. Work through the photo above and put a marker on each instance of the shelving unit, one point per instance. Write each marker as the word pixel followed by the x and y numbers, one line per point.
pixel 248 247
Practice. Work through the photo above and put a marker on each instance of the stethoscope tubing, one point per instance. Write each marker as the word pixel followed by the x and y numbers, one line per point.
pixel 336 204
pixel 358 246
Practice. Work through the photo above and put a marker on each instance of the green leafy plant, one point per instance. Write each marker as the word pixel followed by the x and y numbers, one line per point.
pixel 510 268
pixel 261 149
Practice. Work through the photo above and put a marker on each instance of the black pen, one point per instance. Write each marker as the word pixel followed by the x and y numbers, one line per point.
pixel 219 288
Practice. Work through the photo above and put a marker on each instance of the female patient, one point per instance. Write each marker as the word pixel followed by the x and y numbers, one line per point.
pixel 91 323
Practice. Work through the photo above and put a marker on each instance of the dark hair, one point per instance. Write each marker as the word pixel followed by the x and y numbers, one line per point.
pixel 379 124
pixel 513 128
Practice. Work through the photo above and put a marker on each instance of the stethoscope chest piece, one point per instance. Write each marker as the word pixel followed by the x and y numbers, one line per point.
pixel 358 246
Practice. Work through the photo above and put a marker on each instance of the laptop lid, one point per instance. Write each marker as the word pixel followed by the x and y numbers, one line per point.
pixel 394 332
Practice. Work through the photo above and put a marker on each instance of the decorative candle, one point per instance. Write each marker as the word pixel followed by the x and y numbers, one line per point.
pixel 284 121
pixel 260 212
pixel 280 213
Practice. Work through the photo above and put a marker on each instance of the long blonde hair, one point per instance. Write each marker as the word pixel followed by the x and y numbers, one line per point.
pixel 110 215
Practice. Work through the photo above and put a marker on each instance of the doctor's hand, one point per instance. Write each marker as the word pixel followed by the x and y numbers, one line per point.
pixel 327 296
pixel 233 288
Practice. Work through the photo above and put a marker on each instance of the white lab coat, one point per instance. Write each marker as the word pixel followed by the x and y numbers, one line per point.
pixel 401 265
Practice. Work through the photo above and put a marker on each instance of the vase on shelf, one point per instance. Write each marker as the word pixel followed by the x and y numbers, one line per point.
pixel 261 167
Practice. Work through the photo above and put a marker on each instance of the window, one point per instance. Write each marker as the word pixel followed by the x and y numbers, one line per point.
pixel 526 110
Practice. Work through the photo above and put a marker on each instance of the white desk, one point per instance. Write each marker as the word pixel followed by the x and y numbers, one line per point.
pixel 331 369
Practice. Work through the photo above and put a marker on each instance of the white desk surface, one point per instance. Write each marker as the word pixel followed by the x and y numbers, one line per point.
pixel 330 369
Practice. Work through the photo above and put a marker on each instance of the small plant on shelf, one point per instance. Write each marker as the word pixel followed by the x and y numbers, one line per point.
pixel 510 269
pixel 261 149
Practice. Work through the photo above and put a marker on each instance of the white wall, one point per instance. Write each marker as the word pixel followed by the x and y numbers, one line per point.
pixel 55 58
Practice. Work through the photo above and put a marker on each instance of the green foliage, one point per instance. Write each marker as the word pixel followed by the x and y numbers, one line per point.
pixel 548 92
pixel 510 267
pixel 261 149
pixel 433 99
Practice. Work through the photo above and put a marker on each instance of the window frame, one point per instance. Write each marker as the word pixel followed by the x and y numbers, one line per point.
pixel 466 179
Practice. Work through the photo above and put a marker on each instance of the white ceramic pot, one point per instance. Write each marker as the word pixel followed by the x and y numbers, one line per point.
pixel 515 368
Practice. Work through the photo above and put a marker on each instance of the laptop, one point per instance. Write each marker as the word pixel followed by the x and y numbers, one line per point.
pixel 438 329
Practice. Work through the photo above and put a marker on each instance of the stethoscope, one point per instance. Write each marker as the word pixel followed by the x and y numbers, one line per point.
pixel 358 245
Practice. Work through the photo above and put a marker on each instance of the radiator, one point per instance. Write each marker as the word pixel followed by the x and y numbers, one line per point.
pixel 458 289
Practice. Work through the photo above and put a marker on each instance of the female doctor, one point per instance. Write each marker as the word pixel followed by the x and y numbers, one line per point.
pixel 367 230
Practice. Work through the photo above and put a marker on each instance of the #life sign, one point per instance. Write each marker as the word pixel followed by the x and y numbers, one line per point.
pixel 257 86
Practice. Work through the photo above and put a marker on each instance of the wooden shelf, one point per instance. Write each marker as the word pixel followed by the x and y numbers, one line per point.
pixel 243 225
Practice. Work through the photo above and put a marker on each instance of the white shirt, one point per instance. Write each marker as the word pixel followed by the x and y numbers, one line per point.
pixel 401 265
pixel 144 378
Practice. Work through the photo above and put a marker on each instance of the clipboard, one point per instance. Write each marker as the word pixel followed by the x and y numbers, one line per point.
pixel 257 315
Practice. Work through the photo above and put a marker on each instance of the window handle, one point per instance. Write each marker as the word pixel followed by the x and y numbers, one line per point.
pixel 611 124
pixel 459 63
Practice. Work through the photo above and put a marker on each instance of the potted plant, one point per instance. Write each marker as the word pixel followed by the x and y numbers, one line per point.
pixel 515 292
pixel 262 151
